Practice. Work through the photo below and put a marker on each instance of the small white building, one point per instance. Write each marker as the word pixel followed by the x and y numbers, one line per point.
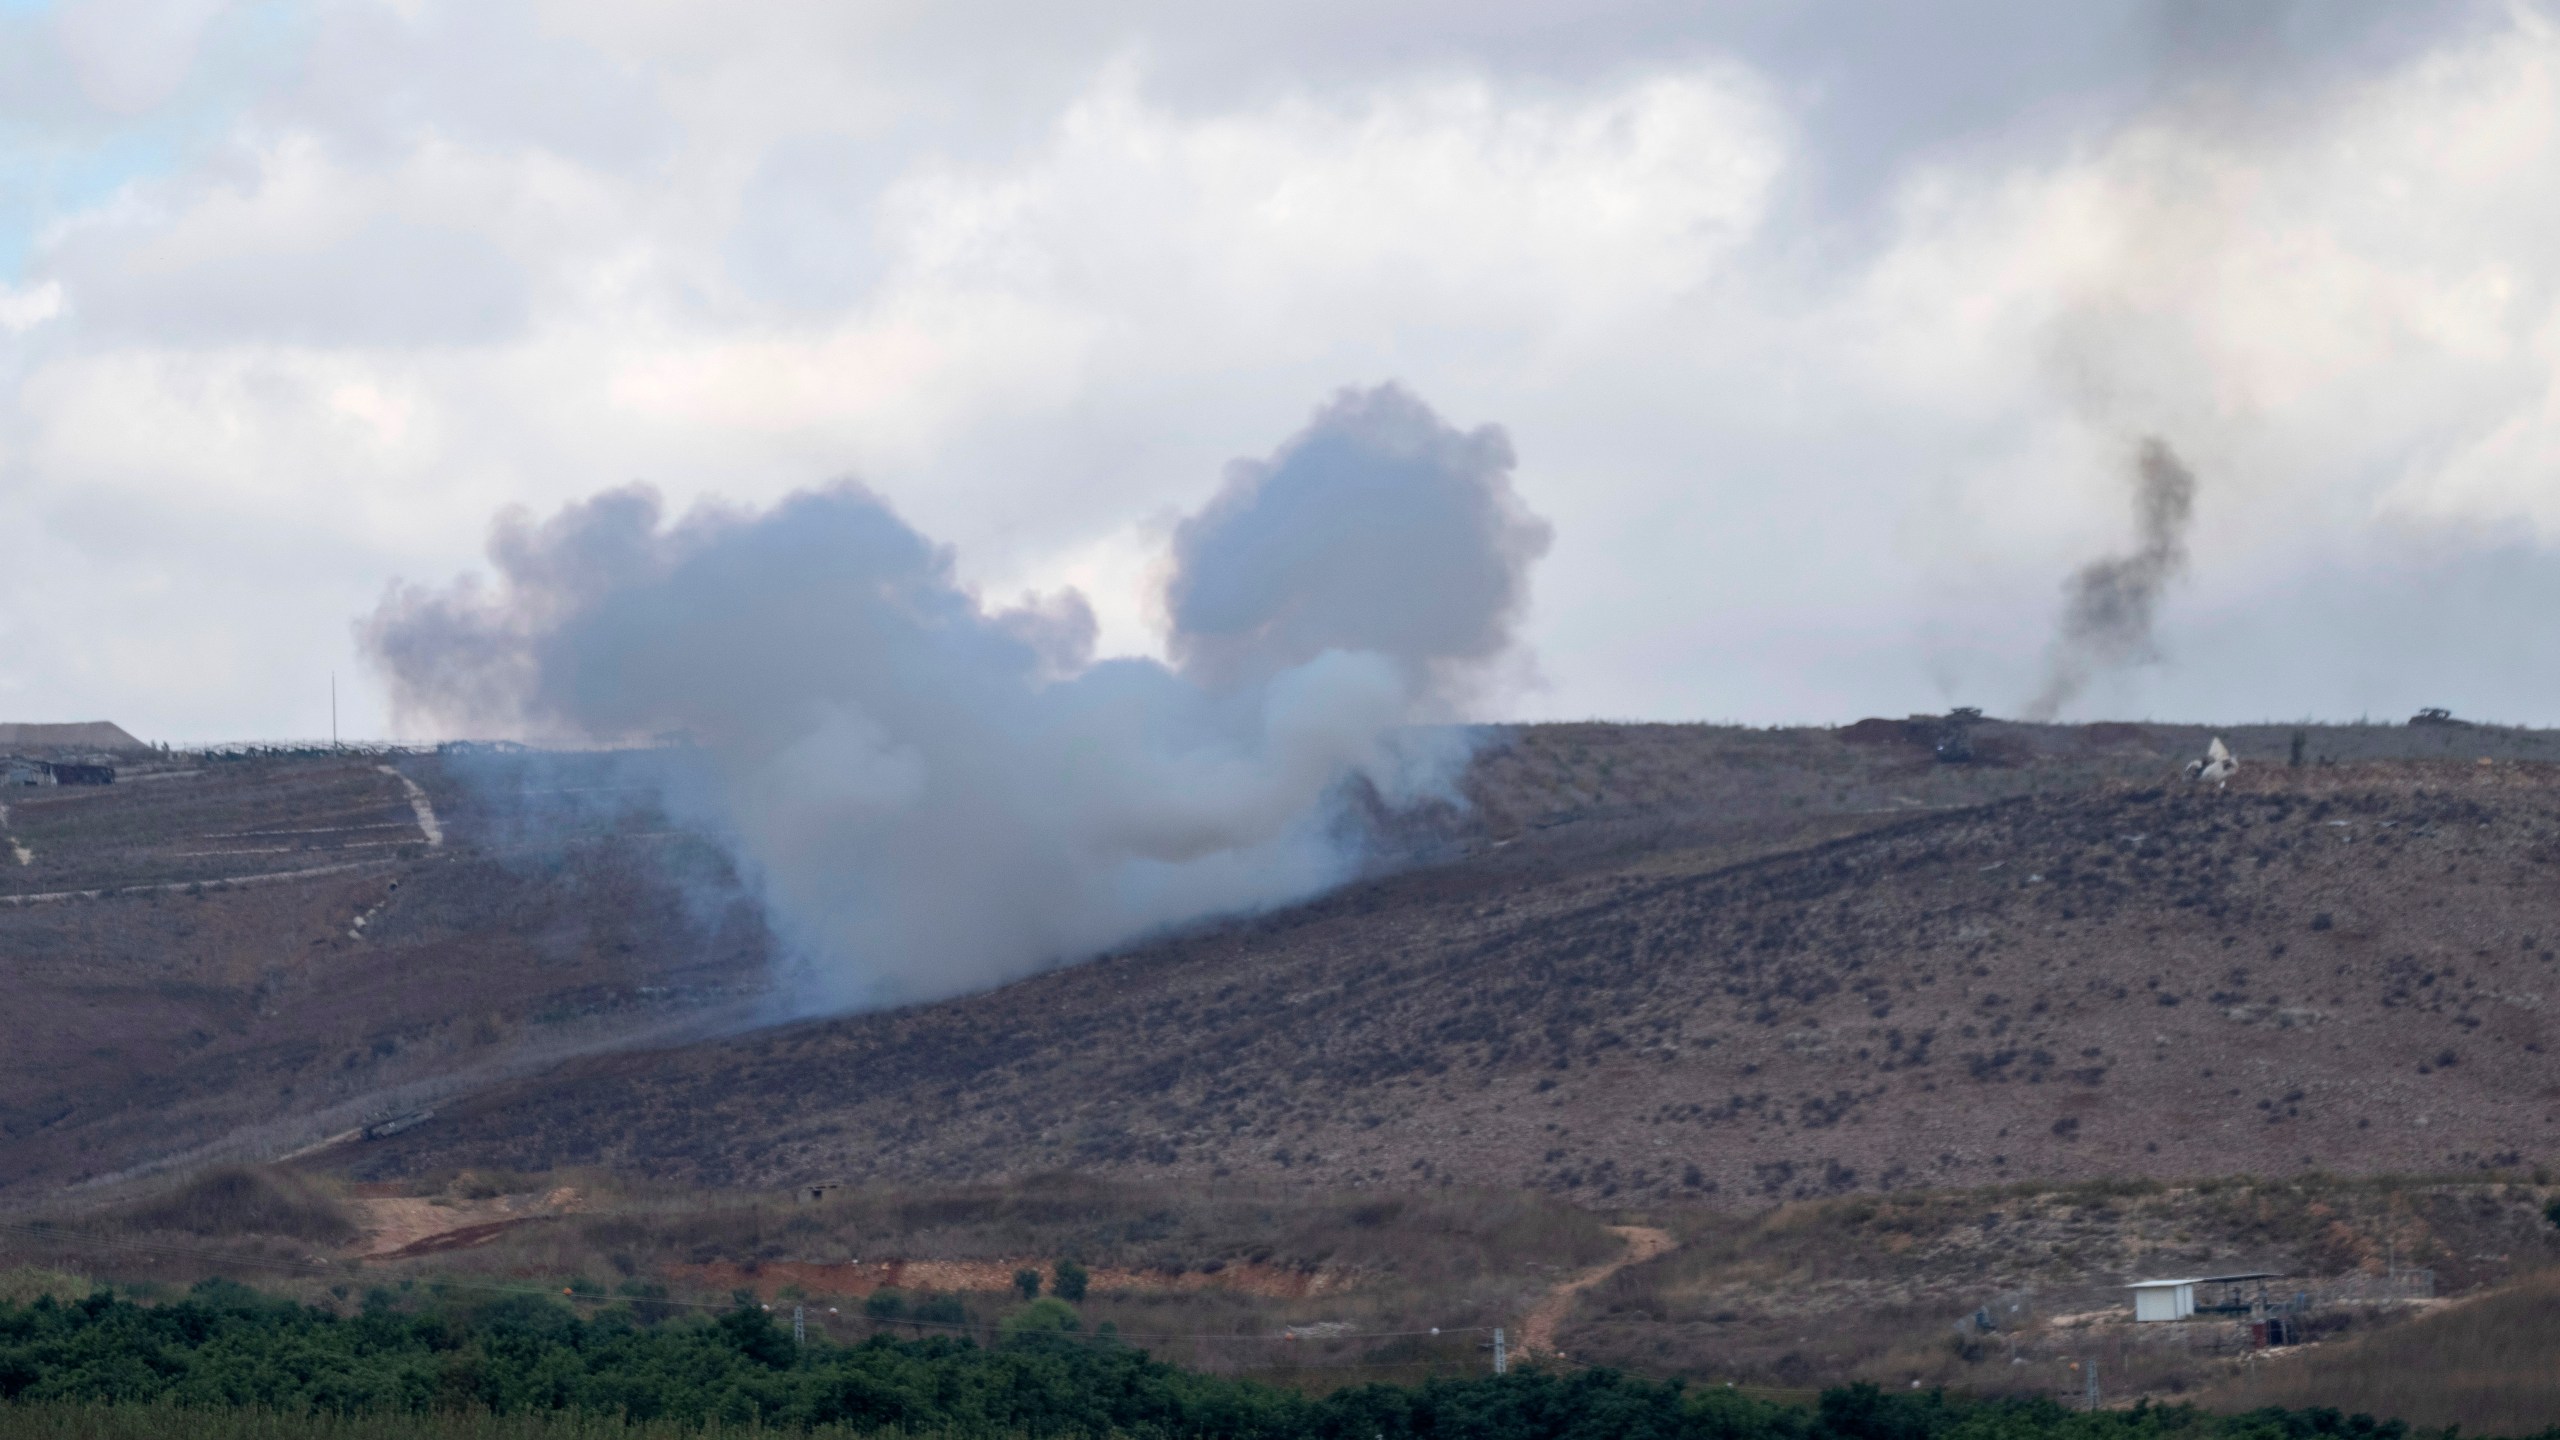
pixel 2163 1299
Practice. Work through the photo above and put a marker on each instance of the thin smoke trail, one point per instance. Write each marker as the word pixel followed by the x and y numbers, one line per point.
pixel 2111 604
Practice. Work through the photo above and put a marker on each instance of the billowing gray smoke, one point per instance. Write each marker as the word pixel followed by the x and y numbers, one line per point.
pixel 2107 616
pixel 936 796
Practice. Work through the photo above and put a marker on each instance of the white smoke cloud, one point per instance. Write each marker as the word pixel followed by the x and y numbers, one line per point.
pixel 937 795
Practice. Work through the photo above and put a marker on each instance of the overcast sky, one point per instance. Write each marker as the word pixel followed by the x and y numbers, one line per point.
pixel 1825 334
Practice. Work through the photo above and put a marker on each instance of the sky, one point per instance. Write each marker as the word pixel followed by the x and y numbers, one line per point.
pixel 1826 336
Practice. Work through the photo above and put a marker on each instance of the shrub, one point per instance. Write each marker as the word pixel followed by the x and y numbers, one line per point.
pixel 1067 1281
pixel 1049 1316
pixel 239 1200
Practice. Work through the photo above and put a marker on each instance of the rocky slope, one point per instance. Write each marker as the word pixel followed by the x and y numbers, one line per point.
pixel 2345 966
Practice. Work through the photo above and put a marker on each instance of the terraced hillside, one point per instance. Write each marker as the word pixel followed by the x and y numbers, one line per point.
pixel 241 956
pixel 2341 966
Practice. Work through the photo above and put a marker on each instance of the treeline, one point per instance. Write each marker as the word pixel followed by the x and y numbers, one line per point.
pixel 227 1348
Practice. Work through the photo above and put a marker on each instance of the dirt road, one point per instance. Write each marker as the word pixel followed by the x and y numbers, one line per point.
pixel 1538 1332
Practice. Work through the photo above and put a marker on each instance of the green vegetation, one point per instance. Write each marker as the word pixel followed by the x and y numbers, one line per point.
pixel 25 1283
pixel 1047 1316
pixel 226 1362
pixel 1067 1281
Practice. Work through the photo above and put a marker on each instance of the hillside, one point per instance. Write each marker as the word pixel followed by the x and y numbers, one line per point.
pixel 241 956
pixel 2340 966
pixel 191 935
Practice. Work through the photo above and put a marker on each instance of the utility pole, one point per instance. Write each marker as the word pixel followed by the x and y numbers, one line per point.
pixel 1501 1355
pixel 799 1326
pixel 333 707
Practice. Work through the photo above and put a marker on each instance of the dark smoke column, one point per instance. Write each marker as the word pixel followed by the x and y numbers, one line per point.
pixel 937 796
pixel 2110 604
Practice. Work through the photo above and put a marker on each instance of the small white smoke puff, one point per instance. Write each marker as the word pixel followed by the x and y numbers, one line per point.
pixel 938 797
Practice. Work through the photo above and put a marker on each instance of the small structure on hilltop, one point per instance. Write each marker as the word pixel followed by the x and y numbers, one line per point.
pixel 89 735
pixel 2229 1297
pixel 2163 1299
pixel 1954 743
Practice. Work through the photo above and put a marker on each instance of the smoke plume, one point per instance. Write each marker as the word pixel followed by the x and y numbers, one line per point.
pixel 2106 618
pixel 936 796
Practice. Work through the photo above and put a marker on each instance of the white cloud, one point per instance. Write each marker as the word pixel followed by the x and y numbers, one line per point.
pixel 23 308
pixel 1038 276
pixel 130 55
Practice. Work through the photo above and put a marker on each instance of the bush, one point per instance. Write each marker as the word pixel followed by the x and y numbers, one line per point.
pixel 1067 1281
pixel 239 1200
pixel 1049 1316
pixel 1028 1282
pixel 226 1350
pixel 885 1303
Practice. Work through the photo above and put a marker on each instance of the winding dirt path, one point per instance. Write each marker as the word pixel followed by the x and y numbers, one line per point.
pixel 1538 1332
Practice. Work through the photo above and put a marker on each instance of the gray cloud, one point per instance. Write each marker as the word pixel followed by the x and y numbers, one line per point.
pixel 937 795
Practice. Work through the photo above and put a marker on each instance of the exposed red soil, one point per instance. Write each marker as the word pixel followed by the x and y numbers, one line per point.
pixel 1538 1331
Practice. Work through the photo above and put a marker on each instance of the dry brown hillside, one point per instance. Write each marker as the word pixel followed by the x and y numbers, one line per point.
pixel 233 958
pixel 2341 966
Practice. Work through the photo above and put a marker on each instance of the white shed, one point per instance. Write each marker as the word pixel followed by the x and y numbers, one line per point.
pixel 2163 1299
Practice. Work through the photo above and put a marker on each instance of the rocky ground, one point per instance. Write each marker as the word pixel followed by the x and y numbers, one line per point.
pixel 2339 968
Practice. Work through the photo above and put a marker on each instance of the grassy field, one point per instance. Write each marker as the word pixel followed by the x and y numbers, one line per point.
pixel 2490 1364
